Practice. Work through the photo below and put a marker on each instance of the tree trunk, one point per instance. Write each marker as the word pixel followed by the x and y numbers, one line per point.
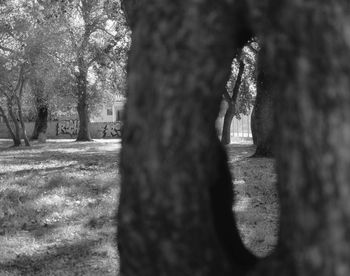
pixel 83 110
pixel 171 157
pixel 20 115
pixel 253 126
pixel 17 140
pixel 308 61
pixel 8 125
pixel 226 129
pixel 262 121
pixel 232 102
pixel 175 213
pixel 40 122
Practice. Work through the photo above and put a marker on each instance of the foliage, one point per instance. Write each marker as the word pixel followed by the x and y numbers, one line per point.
pixel 247 89
pixel 58 39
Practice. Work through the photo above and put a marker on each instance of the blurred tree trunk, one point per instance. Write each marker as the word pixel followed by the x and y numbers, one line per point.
pixel 175 215
pixel 308 61
pixel 262 118
pixel 171 157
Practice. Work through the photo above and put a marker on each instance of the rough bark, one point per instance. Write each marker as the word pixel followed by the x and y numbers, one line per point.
pixel 308 59
pixel 262 119
pixel 231 110
pixel 175 214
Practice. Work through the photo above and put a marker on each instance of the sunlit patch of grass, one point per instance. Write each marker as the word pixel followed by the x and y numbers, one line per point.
pixel 57 206
pixel 256 202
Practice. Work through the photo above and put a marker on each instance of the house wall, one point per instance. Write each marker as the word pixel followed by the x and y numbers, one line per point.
pixel 115 115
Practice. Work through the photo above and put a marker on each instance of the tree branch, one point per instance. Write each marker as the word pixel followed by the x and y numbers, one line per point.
pixel 238 82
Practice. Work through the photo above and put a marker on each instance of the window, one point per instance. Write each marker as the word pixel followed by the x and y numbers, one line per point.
pixel 109 112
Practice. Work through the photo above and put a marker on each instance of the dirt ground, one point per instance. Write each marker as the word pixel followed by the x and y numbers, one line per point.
pixel 57 204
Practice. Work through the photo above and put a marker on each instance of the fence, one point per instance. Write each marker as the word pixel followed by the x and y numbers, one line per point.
pixel 240 128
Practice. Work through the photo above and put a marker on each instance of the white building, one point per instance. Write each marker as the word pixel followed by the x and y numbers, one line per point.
pixel 112 112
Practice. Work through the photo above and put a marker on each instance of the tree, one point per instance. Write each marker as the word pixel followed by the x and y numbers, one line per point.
pixel 175 212
pixel 262 117
pixel 11 91
pixel 42 110
pixel 21 45
pixel 308 63
pixel 95 37
pixel 14 69
pixel 173 165
pixel 240 88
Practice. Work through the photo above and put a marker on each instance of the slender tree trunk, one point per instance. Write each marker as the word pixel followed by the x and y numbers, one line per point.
pixel 83 110
pixel 21 120
pixel 175 213
pixel 8 125
pixel 253 126
pixel 262 120
pixel 226 129
pixel 17 141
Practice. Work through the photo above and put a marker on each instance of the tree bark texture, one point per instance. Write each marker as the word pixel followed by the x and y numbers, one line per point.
pixel 83 109
pixel 262 118
pixel 231 110
pixel 308 60
pixel 175 214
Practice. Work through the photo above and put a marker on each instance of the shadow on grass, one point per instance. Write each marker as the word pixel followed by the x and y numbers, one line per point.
pixel 57 259
pixel 34 171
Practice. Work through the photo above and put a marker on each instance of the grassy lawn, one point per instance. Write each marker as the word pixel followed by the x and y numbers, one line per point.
pixel 58 200
pixel 256 202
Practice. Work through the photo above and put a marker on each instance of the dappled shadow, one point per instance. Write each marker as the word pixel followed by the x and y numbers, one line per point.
pixel 61 259
pixel 52 196
pixel 35 170
pixel 256 200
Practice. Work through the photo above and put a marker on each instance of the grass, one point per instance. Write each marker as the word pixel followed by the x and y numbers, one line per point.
pixel 57 203
pixel 58 200
pixel 256 201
